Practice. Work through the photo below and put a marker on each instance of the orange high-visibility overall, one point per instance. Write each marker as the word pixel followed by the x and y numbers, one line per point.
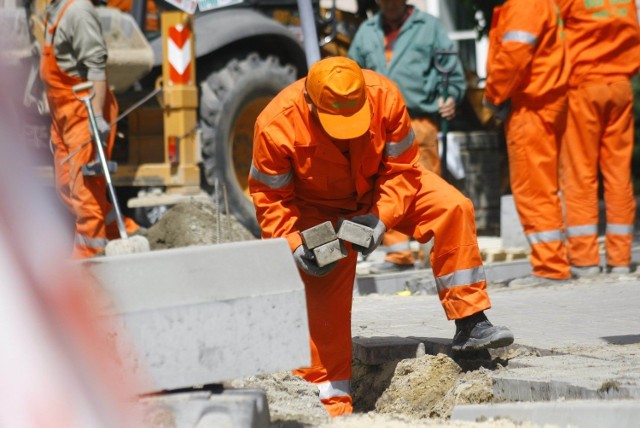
pixel 85 197
pixel 397 244
pixel 604 51
pixel 527 65
pixel 300 177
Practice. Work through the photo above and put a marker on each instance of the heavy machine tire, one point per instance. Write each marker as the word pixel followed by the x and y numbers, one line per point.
pixel 231 99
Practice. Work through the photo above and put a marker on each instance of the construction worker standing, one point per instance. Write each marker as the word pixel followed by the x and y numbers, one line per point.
pixel 74 52
pixel 603 39
pixel 527 69
pixel 339 145
pixel 401 42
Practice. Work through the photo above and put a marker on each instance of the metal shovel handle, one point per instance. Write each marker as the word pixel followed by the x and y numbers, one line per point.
pixel 84 87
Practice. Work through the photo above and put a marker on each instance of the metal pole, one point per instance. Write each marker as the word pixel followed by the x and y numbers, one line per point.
pixel 440 59
pixel 309 32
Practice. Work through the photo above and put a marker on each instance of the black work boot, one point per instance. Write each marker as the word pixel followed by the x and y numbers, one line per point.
pixel 476 332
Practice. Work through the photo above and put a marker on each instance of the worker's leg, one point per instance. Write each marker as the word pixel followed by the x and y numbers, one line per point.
pixel 426 133
pixel 615 163
pixel 88 194
pixel 579 178
pixel 441 212
pixel 329 308
pixel 61 169
pixel 533 137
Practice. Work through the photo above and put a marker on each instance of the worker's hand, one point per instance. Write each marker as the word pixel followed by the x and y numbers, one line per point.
pixel 447 109
pixel 103 127
pixel 372 221
pixel 306 261
pixel 500 111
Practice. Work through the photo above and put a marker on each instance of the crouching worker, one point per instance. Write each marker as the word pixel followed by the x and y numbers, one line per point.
pixel 339 144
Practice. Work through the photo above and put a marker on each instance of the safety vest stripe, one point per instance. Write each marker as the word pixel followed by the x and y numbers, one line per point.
pixel 91 242
pixel 272 181
pixel 520 36
pixel 546 236
pixel 336 388
pixel 584 230
pixel 620 229
pixel 400 246
pixel 395 149
pixel 461 278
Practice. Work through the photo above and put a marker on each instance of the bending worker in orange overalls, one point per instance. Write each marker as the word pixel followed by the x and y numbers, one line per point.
pixel 604 51
pixel 402 43
pixel 527 69
pixel 339 145
pixel 75 51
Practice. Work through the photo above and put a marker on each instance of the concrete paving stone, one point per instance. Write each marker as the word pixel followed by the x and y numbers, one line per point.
pixel 575 414
pixel 318 235
pixel 579 340
pixel 330 252
pixel 355 233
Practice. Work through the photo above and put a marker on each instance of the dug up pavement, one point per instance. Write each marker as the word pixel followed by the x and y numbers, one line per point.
pixel 576 356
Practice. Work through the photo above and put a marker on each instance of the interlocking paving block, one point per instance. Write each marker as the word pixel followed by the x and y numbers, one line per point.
pixel 579 413
pixel 318 235
pixel 355 233
pixel 329 252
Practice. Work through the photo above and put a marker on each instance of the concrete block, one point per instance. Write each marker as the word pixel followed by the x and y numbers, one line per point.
pixel 579 413
pixel 318 235
pixel 205 314
pixel 511 230
pixel 229 408
pixel 330 252
pixel 355 233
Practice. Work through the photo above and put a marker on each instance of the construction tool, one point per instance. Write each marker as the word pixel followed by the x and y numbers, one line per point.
pixel 126 244
pixel 439 62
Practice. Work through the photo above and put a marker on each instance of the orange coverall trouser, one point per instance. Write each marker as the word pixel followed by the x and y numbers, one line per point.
pixel 599 137
pixel 426 133
pixel 439 211
pixel 533 144
pixel 85 197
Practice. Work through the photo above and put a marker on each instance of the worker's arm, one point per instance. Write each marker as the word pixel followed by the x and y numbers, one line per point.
pixel 90 51
pixel 272 189
pixel 399 172
pixel 521 26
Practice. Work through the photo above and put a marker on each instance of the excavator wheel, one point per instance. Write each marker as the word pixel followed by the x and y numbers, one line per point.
pixel 231 100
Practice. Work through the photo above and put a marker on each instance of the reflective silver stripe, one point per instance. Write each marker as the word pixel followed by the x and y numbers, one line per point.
pixel 336 388
pixel 460 278
pixel 393 150
pixel 111 216
pixel 620 229
pixel 400 246
pixel 272 181
pixel 520 36
pixel 91 242
pixel 584 230
pixel 547 236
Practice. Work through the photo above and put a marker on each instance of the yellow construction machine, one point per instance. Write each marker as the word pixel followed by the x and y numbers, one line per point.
pixel 181 133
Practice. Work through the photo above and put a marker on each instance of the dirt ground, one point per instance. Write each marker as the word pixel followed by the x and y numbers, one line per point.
pixel 417 392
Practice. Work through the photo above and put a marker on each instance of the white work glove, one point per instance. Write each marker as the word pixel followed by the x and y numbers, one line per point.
pixel 103 127
pixel 378 227
pixel 306 260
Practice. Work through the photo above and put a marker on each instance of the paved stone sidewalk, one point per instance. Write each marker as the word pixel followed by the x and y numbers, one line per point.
pixel 576 341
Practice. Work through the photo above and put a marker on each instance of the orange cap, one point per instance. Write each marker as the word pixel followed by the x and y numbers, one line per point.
pixel 337 89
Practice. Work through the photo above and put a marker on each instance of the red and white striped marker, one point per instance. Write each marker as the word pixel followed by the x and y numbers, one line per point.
pixel 179 52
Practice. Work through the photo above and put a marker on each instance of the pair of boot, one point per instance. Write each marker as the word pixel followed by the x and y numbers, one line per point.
pixel 475 333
